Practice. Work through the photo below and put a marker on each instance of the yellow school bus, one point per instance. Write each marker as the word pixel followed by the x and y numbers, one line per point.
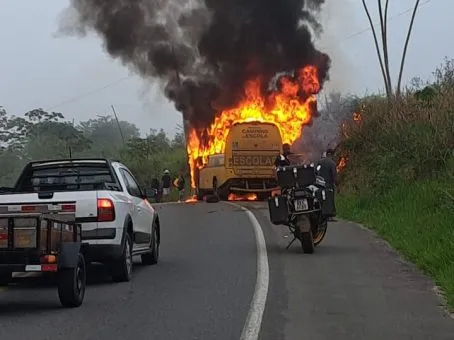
pixel 246 166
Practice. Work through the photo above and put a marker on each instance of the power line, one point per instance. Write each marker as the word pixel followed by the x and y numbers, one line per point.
pixel 354 35
pixel 99 89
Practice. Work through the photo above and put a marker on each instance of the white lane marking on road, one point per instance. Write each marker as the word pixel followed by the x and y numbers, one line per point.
pixel 253 323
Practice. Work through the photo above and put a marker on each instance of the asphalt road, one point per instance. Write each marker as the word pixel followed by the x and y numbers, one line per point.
pixel 353 287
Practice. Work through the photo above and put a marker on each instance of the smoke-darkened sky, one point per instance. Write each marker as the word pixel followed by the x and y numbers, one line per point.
pixel 204 52
pixel 77 77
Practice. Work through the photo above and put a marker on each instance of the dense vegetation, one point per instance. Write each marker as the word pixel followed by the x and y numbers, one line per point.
pixel 42 135
pixel 399 174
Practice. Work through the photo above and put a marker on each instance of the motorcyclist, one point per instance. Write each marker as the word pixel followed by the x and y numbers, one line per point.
pixel 328 169
pixel 282 159
pixel 329 172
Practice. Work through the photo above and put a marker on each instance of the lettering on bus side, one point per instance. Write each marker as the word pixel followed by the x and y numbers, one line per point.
pixel 252 160
pixel 255 132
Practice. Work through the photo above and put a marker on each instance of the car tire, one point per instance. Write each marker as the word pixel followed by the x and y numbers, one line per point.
pixel 72 283
pixel 153 256
pixel 121 269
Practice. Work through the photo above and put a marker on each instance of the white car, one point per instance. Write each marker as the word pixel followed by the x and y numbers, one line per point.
pixel 117 220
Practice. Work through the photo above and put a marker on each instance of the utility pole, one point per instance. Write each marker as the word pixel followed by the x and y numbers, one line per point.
pixel 118 123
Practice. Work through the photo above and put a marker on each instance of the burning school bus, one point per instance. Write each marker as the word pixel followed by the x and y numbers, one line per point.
pixel 236 152
pixel 247 164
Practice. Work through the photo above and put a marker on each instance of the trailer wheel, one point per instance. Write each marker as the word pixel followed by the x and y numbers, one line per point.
pixel 5 277
pixel 72 283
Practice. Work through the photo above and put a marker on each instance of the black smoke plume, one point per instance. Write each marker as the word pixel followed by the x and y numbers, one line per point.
pixel 203 51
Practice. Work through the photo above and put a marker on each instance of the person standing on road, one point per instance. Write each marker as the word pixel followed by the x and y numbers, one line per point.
pixel 166 183
pixel 180 186
pixel 155 185
pixel 329 173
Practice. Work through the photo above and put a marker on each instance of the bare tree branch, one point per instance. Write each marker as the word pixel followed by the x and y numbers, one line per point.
pixel 404 53
pixel 366 9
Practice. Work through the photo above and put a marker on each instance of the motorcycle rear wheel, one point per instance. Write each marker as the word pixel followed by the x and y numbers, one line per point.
pixel 307 242
pixel 320 235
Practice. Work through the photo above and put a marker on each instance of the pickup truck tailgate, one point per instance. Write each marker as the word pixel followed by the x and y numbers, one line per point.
pixel 86 201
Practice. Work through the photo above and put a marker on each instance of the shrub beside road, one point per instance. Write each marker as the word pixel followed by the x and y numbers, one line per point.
pixel 399 175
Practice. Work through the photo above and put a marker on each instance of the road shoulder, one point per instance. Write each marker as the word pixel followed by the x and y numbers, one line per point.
pixel 354 287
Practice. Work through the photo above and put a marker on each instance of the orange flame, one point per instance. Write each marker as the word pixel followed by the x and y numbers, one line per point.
pixel 192 199
pixel 341 164
pixel 357 117
pixel 244 197
pixel 284 108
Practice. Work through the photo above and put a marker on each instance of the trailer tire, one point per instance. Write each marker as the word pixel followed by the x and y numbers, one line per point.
pixel 72 283
pixel 5 277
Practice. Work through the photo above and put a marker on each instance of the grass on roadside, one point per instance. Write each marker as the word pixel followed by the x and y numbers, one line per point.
pixel 417 220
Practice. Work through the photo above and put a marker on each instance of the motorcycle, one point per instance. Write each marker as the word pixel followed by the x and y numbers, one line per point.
pixel 304 205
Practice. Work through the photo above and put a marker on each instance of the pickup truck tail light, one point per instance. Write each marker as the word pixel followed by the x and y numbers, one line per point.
pixel 106 210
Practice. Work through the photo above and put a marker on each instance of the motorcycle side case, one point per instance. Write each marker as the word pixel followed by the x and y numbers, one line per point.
pixel 279 209
pixel 328 206
pixel 296 176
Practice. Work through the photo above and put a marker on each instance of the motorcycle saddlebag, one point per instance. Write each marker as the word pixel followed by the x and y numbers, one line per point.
pixel 279 209
pixel 328 206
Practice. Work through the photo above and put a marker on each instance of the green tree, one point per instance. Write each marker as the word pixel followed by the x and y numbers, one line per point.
pixel 107 135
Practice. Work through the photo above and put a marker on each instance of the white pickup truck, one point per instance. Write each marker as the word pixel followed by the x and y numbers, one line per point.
pixel 117 220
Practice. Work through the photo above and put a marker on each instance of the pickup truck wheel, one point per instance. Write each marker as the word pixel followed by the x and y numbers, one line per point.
pixel 5 277
pixel 72 283
pixel 121 269
pixel 153 256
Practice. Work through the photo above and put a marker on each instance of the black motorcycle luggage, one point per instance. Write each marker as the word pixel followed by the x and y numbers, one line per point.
pixel 292 176
pixel 328 206
pixel 279 209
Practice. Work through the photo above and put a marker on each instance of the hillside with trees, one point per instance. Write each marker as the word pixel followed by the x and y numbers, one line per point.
pixel 40 135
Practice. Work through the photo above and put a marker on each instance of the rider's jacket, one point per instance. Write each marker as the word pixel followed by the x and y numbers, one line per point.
pixel 281 160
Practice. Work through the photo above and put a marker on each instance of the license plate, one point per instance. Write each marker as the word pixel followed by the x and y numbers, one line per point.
pixel 301 205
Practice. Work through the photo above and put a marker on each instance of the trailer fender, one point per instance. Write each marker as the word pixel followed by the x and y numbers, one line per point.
pixel 69 254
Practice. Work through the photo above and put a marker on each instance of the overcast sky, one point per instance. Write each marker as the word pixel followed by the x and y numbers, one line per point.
pixel 76 77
